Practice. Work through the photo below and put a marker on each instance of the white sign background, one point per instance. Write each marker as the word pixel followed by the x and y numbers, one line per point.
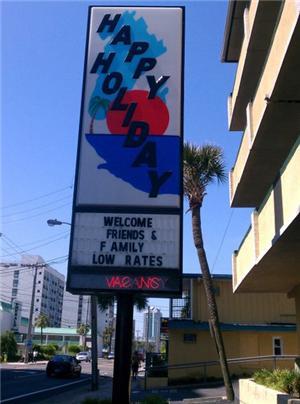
pixel 99 186
pixel 159 237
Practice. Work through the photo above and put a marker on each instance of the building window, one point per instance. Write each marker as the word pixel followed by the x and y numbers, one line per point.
pixel 190 338
pixel 16 274
pixel 277 346
pixel 15 283
pixel 14 292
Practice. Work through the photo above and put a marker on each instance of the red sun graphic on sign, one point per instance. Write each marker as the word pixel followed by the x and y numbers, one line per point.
pixel 152 111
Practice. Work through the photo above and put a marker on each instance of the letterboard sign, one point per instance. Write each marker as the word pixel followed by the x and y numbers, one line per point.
pixel 127 208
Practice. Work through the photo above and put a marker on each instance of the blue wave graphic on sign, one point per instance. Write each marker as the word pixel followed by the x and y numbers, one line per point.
pixel 138 166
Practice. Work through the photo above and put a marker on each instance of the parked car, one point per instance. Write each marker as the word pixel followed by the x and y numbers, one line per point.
pixel 63 365
pixel 83 356
pixel 111 355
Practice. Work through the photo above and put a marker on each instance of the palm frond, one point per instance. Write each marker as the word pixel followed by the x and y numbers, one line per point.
pixel 201 166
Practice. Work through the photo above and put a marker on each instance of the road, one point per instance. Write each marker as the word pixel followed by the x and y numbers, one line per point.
pixel 19 381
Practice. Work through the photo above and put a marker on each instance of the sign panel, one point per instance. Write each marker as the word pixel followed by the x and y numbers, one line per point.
pixel 108 240
pixel 127 210
pixel 130 136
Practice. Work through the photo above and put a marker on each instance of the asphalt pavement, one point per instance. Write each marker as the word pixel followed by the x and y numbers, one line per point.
pixel 185 394
pixel 77 392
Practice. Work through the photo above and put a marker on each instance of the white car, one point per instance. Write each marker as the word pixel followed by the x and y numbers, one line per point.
pixel 83 356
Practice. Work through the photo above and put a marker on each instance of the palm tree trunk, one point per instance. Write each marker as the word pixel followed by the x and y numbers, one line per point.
pixel 41 335
pixel 92 124
pixel 211 301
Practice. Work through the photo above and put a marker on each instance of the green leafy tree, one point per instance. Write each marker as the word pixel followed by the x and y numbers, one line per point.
pixel 83 330
pixel 8 345
pixel 201 167
pixel 95 104
pixel 42 322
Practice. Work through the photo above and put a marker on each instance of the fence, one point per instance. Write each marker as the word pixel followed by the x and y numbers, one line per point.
pixel 156 365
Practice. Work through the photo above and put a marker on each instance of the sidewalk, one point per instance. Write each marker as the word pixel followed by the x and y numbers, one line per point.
pixel 175 395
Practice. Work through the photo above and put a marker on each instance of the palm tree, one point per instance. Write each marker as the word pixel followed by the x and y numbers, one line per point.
pixel 42 321
pixel 107 337
pixel 83 330
pixel 95 104
pixel 201 166
pixel 107 300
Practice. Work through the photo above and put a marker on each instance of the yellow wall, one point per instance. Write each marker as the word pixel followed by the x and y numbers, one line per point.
pixel 290 186
pixel 243 307
pixel 237 344
pixel 286 26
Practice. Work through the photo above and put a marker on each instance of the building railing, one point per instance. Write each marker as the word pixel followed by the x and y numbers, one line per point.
pixel 152 370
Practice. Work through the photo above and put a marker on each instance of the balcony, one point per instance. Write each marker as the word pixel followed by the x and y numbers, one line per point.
pixel 259 23
pixel 269 255
pixel 273 119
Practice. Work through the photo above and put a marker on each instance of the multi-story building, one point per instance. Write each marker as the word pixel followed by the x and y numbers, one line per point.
pixel 11 320
pixel 76 310
pixel 263 38
pixel 252 325
pixel 17 284
pixel 152 318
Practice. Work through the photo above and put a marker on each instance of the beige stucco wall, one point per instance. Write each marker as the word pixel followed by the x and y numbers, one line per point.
pixel 290 186
pixel 277 53
pixel 266 225
pixel 245 256
pixel 243 307
pixel 237 344
pixel 287 192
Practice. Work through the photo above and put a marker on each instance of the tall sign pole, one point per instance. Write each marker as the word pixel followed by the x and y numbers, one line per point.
pixel 126 235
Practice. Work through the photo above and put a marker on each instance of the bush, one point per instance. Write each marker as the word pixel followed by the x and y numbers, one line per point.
pixel 9 346
pixel 284 380
pixel 74 349
pixel 48 350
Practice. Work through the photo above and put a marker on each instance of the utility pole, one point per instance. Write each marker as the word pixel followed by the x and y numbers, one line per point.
pixel 95 373
pixel 29 331
pixel 148 330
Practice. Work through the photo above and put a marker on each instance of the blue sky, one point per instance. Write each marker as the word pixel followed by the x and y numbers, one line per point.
pixel 42 69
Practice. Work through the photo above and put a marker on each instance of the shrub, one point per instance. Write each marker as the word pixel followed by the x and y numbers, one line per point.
pixel 284 380
pixel 296 384
pixel 48 350
pixel 74 349
pixel 9 346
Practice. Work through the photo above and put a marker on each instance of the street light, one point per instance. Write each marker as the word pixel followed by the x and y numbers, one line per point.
pixel 55 222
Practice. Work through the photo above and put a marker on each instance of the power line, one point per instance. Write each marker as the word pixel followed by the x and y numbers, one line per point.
pixel 37 246
pixel 223 238
pixel 38 214
pixel 46 238
pixel 36 207
pixel 38 197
